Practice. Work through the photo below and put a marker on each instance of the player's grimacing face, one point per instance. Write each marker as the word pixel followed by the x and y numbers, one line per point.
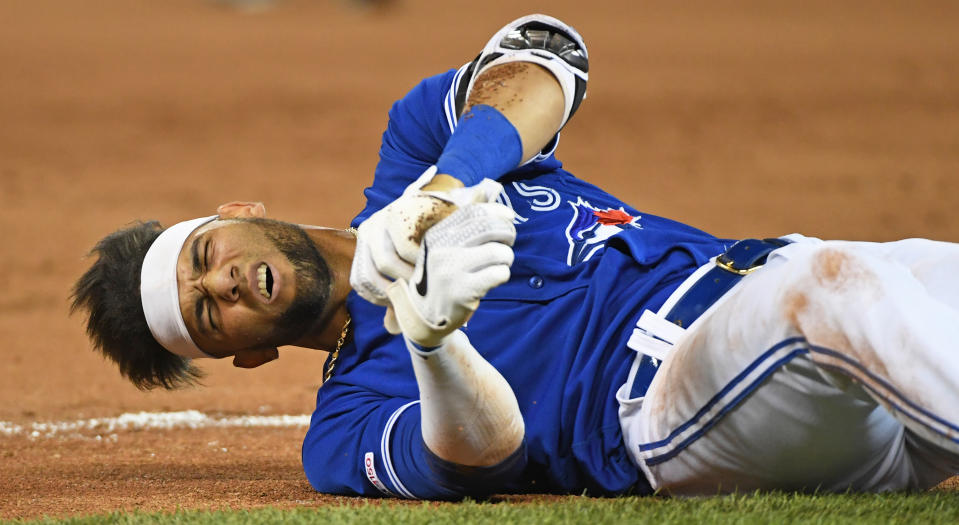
pixel 249 284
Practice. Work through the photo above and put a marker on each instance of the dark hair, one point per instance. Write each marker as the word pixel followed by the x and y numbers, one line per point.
pixel 109 292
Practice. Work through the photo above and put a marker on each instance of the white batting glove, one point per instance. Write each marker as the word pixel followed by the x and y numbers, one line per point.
pixel 387 242
pixel 461 259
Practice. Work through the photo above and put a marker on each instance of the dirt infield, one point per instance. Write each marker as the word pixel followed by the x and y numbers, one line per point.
pixel 745 119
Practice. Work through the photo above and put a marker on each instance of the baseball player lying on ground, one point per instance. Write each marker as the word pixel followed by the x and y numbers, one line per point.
pixel 498 325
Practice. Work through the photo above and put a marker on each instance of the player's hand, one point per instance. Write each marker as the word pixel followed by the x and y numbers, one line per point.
pixel 388 241
pixel 460 259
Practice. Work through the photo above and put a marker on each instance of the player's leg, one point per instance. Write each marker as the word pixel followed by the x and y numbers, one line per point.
pixel 868 317
pixel 777 385
pixel 932 439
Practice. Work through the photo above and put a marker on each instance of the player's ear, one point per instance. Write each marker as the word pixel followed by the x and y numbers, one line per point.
pixel 255 358
pixel 241 210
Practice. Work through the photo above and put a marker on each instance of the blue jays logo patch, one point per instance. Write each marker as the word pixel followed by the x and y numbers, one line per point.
pixel 590 227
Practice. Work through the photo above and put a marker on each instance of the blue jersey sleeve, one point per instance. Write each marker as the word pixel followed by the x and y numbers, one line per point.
pixel 420 126
pixel 417 131
pixel 368 445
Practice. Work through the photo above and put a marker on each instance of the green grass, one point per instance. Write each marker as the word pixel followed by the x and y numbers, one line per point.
pixel 926 508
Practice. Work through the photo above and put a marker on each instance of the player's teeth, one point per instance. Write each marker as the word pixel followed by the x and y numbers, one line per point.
pixel 261 280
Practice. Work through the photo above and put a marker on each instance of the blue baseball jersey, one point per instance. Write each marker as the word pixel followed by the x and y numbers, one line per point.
pixel 586 266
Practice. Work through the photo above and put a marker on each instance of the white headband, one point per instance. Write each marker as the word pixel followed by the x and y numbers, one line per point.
pixel 159 293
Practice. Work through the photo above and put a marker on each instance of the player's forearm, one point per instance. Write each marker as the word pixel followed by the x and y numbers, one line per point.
pixel 511 114
pixel 528 96
pixel 470 415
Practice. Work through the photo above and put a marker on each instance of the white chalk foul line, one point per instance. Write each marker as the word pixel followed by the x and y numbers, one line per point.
pixel 146 421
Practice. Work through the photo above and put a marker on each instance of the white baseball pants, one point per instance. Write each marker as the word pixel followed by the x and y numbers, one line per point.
pixel 834 367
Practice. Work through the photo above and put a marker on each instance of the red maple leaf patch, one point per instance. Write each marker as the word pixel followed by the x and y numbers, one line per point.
pixel 611 217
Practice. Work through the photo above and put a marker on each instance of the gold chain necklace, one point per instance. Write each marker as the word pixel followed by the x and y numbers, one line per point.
pixel 342 340
pixel 336 352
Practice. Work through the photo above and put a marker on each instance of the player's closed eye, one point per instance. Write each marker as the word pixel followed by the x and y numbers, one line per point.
pixel 207 248
pixel 209 315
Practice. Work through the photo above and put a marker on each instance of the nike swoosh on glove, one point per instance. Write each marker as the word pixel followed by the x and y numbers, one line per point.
pixel 387 243
pixel 461 258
